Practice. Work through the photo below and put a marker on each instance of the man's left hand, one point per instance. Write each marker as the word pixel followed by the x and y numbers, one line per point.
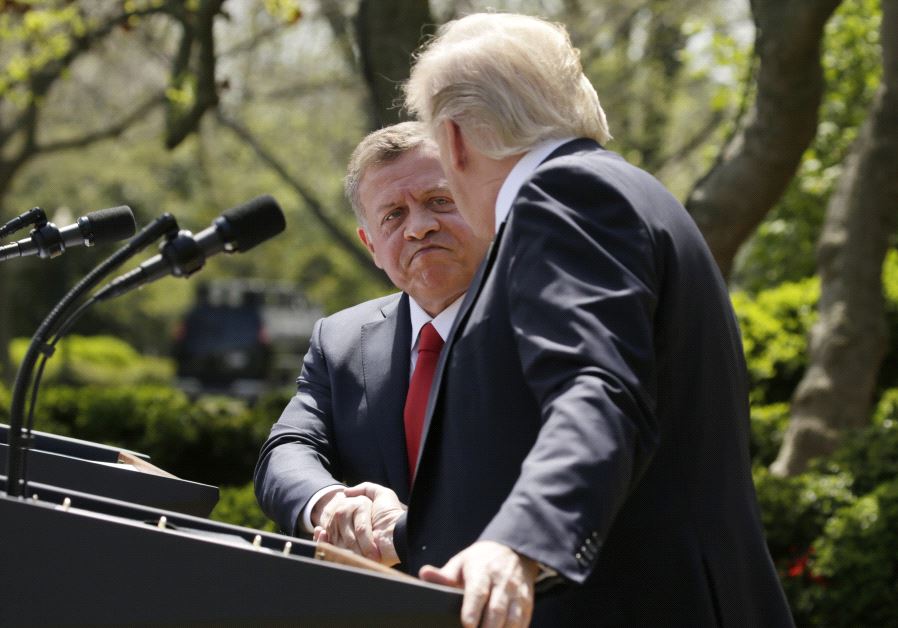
pixel 498 584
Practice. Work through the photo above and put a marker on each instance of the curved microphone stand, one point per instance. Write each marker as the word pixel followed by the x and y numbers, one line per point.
pixel 18 442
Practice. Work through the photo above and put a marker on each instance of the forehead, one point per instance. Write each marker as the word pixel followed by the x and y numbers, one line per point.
pixel 416 172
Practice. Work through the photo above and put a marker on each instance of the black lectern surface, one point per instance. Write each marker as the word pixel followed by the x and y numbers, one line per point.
pixel 94 468
pixel 68 446
pixel 67 565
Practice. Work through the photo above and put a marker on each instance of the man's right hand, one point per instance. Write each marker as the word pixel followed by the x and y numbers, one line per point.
pixel 361 519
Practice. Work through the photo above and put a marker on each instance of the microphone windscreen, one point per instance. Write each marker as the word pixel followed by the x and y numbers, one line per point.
pixel 112 224
pixel 253 222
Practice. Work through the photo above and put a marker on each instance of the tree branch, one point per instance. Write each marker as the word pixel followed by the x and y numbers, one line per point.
pixel 314 205
pixel 109 132
pixel 690 145
pixel 757 165
pixel 181 124
pixel 850 337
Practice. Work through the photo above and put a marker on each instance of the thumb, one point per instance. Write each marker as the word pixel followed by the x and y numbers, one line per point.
pixel 365 489
pixel 450 575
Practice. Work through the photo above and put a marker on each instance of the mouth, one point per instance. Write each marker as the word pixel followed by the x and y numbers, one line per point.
pixel 424 251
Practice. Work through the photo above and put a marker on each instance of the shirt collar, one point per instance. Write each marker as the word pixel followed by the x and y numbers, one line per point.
pixel 519 174
pixel 442 322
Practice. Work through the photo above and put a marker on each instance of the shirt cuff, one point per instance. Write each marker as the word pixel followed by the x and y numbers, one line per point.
pixel 306 517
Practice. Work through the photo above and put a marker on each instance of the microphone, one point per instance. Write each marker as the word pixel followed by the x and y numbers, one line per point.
pixel 98 227
pixel 34 216
pixel 237 230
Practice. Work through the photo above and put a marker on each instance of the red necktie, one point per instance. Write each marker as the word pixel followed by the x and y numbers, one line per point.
pixel 429 345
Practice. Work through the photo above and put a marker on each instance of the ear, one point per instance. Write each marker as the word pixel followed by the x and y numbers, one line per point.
pixel 455 144
pixel 366 240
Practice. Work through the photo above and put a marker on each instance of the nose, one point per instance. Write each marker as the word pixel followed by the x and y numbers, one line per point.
pixel 420 222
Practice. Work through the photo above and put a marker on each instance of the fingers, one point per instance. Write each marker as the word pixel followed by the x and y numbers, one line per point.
pixel 498 585
pixel 510 605
pixel 477 594
pixel 356 531
pixel 346 522
pixel 449 576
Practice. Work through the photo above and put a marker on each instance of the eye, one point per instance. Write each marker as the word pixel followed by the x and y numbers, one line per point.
pixel 391 215
pixel 442 202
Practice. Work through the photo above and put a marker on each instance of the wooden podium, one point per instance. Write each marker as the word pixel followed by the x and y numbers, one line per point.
pixel 77 559
pixel 99 469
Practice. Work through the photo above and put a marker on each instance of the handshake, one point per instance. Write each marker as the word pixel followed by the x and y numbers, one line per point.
pixel 361 519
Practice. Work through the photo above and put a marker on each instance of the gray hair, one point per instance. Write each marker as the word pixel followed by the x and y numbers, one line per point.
pixel 509 80
pixel 378 148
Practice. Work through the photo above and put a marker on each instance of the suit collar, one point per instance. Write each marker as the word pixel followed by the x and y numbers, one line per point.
pixel 385 362
pixel 520 173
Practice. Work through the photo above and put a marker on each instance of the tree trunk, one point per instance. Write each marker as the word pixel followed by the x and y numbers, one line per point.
pixel 757 164
pixel 387 32
pixel 848 342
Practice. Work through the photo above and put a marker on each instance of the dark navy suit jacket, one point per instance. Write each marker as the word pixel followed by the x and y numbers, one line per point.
pixel 345 422
pixel 590 410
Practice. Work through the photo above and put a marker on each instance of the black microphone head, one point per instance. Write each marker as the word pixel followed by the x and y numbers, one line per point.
pixel 109 225
pixel 251 223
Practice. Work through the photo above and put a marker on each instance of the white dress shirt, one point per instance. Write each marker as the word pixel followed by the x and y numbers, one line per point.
pixel 442 322
pixel 521 171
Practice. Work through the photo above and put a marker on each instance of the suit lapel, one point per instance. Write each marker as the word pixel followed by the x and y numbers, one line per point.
pixel 473 292
pixel 470 298
pixel 385 362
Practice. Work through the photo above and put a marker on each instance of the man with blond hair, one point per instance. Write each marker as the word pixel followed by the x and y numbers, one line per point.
pixel 589 417
pixel 350 421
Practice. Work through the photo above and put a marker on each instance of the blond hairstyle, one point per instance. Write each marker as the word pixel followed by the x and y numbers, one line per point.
pixel 378 148
pixel 508 80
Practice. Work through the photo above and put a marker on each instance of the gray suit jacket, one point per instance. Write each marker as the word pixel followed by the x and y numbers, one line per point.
pixel 345 422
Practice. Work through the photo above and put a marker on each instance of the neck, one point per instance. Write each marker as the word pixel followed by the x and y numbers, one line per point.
pixel 435 307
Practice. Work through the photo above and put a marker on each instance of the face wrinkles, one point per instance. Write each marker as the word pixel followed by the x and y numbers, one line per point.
pixel 415 232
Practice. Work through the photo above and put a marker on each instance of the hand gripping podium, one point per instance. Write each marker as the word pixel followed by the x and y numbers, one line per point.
pixel 111 472
pixel 80 559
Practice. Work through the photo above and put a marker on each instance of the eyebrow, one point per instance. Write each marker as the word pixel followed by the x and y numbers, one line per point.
pixel 440 189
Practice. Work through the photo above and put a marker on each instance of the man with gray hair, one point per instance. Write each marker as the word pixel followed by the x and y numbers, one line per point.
pixel 589 417
pixel 351 420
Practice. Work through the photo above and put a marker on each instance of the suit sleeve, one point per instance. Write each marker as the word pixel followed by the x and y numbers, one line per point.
pixel 298 458
pixel 582 291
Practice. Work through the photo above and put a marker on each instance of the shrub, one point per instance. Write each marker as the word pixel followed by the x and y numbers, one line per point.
pixel 775 327
pixel 768 424
pixel 794 512
pixel 98 360
pixel 871 454
pixel 856 560
pixel 238 506
pixel 214 439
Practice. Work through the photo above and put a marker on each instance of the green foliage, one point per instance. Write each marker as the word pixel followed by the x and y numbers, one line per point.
pixel 795 510
pixel 98 360
pixel 833 531
pixel 856 558
pixel 776 323
pixel 43 34
pixel 872 453
pixel 238 506
pixel 768 424
pixel 782 249
pixel 213 440
pixel 775 326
